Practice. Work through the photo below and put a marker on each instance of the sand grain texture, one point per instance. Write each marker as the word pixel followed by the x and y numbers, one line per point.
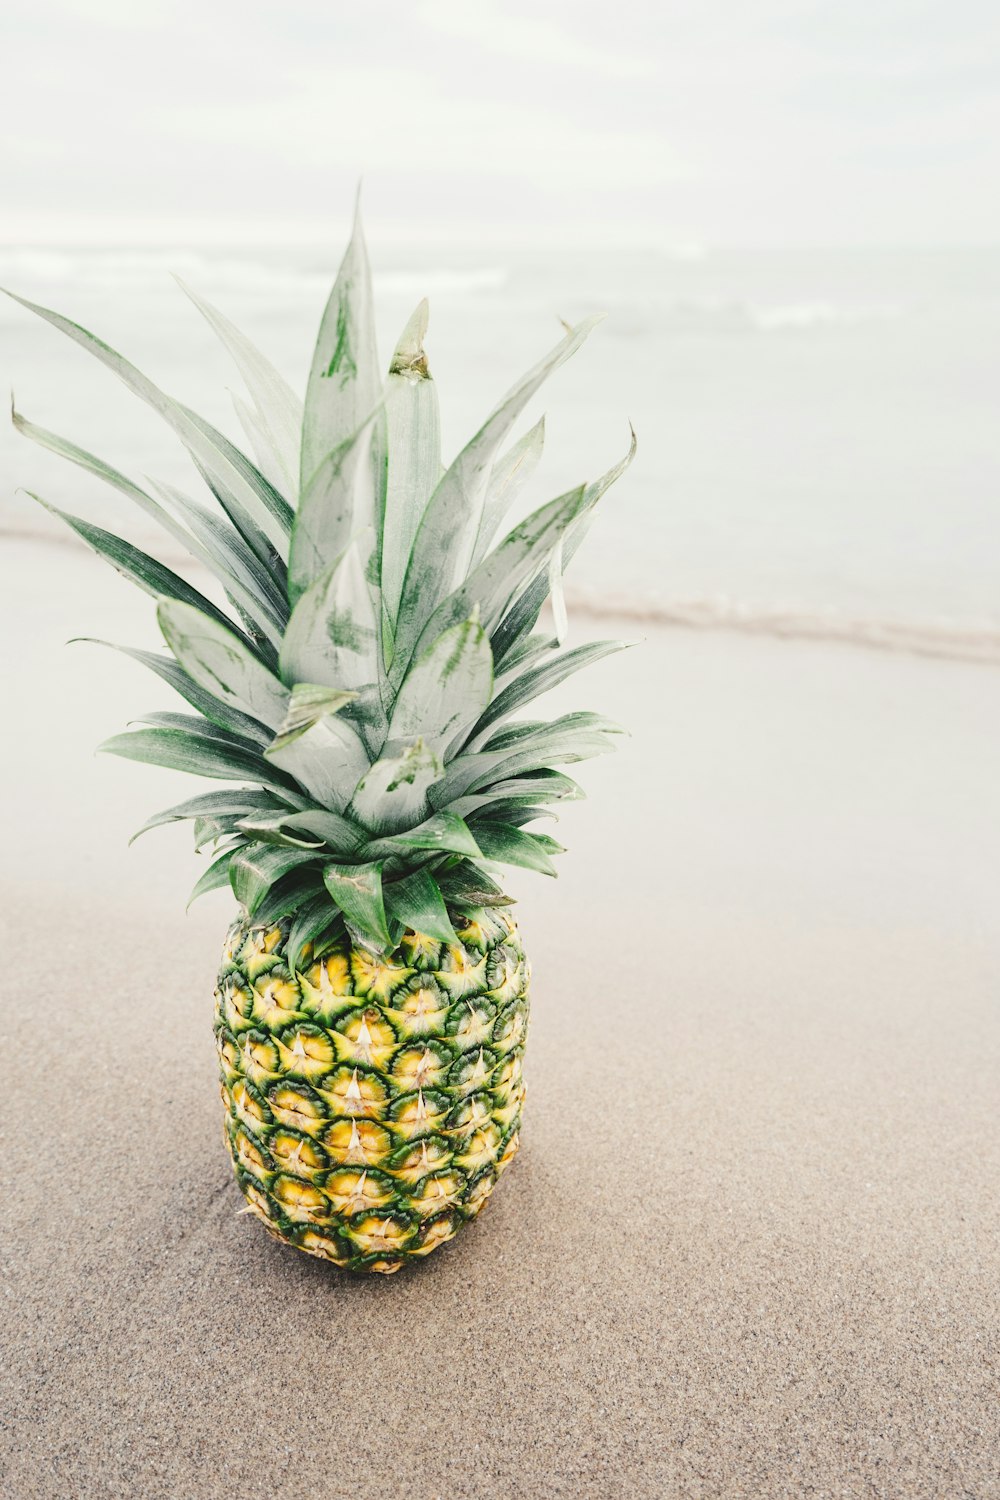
pixel 750 1247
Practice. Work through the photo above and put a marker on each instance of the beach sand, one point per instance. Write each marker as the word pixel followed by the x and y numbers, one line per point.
pixel 750 1245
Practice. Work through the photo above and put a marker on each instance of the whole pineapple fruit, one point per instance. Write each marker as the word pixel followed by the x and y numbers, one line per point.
pixel 357 681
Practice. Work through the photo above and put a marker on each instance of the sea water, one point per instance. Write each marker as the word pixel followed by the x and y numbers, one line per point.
pixel 819 444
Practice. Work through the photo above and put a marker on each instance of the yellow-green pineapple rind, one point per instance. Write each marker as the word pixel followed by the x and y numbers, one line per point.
pixel 372 1102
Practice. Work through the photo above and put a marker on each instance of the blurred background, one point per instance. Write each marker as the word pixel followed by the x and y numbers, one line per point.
pixel 779 205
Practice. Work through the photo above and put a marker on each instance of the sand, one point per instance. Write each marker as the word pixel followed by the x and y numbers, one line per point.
pixel 750 1246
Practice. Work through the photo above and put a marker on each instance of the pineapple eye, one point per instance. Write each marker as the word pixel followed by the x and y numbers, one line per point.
pixel 305 1051
pixel 429 1154
pixel 439 1191
pixel 420 951
pixel 326 1246
pixel 297 1153
pixel 477 1192
pixel 358 1190
pixel 297 1105
pixel 418 1114
pixel 375 1234
pixel 421 1064
pixel 358 1142
pixel 355 1092
pixel 365 1037
pixel 331 976
pixel 300 1201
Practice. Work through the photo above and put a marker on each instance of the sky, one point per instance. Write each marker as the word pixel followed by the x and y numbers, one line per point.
pixel 649 122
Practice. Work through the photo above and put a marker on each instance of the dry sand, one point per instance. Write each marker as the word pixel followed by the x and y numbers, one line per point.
pixel 750 1246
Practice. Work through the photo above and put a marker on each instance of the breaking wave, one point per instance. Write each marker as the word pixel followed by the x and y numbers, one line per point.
pixel 721 315
pixel 955 639
pixel 151 270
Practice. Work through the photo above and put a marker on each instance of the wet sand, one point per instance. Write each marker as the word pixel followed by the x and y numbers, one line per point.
pixel 750 1245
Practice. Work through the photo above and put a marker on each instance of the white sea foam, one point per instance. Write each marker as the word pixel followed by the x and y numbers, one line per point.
pixel 976 641
pixel 436 283
pixel 803 316
pixel 730 315
pixel 150 270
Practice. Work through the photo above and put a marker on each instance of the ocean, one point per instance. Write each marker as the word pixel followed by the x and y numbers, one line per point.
pixel 819 446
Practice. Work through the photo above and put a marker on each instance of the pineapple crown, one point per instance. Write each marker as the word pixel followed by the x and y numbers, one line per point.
pixel 376 638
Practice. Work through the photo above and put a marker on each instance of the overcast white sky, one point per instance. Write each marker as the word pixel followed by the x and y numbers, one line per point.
pixel 641 121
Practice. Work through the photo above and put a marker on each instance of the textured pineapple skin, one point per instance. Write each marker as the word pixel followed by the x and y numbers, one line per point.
pixel 372 1103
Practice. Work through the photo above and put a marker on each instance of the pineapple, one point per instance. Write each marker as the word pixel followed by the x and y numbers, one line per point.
pixel 352 680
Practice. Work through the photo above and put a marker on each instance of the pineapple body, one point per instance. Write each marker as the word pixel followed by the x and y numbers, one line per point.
pixel 372 1102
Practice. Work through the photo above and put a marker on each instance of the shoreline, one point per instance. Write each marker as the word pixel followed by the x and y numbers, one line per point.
pixel 944 638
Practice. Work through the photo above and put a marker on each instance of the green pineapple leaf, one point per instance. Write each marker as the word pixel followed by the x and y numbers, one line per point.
pixel 528 650
pixel 334 506
pixel 392 795
pixel 313 925
pixel 357 890
pixel 523 613
pixel 442 550
pixel 445 832
pixel 416 902
pixel 557 592
pixel 544 786
pixel 196 724
pixel 258 438
pixel 509 475
pixel 231 495
pixel 446 689
pixel 305 830
pixel 503 572
pixel 332 635
pixel 508 845
pixel 210 540
pixel 254 869
pixel 548 843
pixel 313 744
pixel 213 831
pixel 531 747
pixel 278 409
pixel 341 407
pixel 467 887
pixel 289 892
pixel 214 878
pixel 179 750
pixel 170 671
pixel 222 664
pixel 538 680
pixel 413 454
pixel 326 762
pixel 240 803
pixel 214 454
pixel 543 732
pixel 514 810
pixel 250 583
pixel 308 704
pixel 343 381
pixel 63 448
pixel 151 576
